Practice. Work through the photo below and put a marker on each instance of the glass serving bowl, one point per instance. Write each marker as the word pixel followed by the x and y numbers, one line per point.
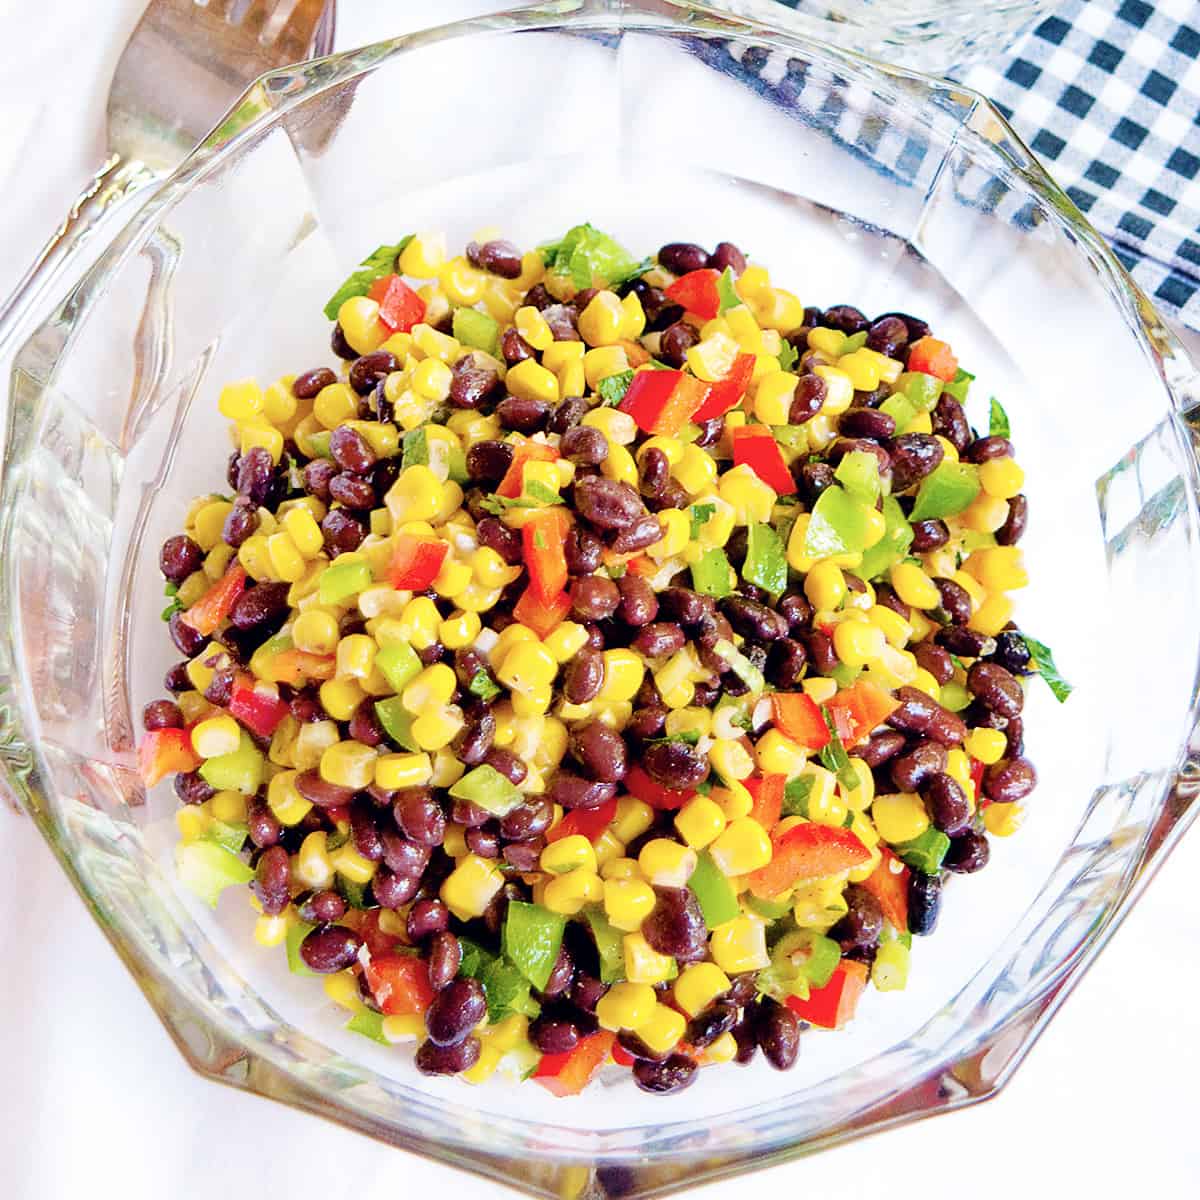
pixel 932 35
pixel 855 182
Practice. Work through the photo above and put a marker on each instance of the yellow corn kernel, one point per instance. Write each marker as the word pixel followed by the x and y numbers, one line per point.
pixel 565 641
pixel 602 362
pixel 459 629
pixel 490 569
pixel 600 323
pixel 342 989
pixel 698 986
pixel 858 643
pixel 431 379
pixel 633 818
pixel 289 807
pixel 461 282
pixel 433 730
pixel 433 344
pixel 574 853
pixel 666 863
pixel 356 655
pixel 527 668
pixel 351 865
pixel 485 1065
pixel 696 470
pixel 476 598
pixel 913 586
pixel 532 326
pixel 510 637
pixel 926 683
pixel 664 1030
pixel 434 686
pixel 567 894
pixel 633 317
pixel 529 380
pixel 744 846
pixel 830 342
pixel 469 888
pixel 992 615
pixel 300 525
pixel 208 523
pixel 395 771
pixel 985 514
pixel 508 1033
pixel 623 674
pixel 626 1006
pixel 987 745
pixel 676 533
pixel 271 931
pixel 314 738
pixel 734 801
pixel 862 368
pixel 312 866
pixel 825 586
pixel 417 495
pixel 359 319
pixel 899 817
pixel 700 822
pixel 453 578
pixel 644 964
pixel 216 736
pixel 839 390
pixel 608 849
pixel 335 405
pixel 279 402
pixel 620 868
pixel 241 401
pixel 825 806
pixel 424 256
pixel 723 1050
pixel 971 586
pixel 679 696
pixel 619 465
pixel 859 797
pixel 627 902
pixel 894 627
pixel 558 355
pixel 999 569
pixel 397 1029
pixel 349 764
pixel 447 770
pixel 340 697
pixel 751 499
pixel 777 754
pixel 229 807
pixel 287 563
pixel 958 767
pixel 730 759
pixel 739 945
pixel 820 904
pixel 711 359
pixel 773 399
pixel 1001 477
pixel 455 841
pixel 1003 820
pixel 265 436
pixel 693 720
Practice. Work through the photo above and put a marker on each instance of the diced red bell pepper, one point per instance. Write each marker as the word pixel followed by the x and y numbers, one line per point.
pixel 834 1004
pixel 162 752
pixel 888 883
pixel 399 983
pixel 728 392
pixel 639 785
pixel 808 851
pixel 400 308
pixel 932 357
pixel 797 716
pixel 416 561
pixel 365 922
pixel 568 1074
pixel 766 791
pixel 513 483
pixel 543 539
pixel 755 446
pixel 256 705
pixel 542 616
pixel 591 822
pixel 641 565
pixel 206 615
pixel 697 291
pixel 295 666
pixel 977 769
pixel 621 1056
pixel 861 708
pixel 663 402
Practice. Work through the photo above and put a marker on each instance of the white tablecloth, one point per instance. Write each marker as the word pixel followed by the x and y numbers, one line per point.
pixel 93 1097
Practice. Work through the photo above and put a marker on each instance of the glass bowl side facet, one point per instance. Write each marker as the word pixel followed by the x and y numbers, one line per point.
pixel 861 184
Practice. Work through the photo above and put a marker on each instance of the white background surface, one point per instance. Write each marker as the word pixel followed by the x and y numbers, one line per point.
pixel 95 1097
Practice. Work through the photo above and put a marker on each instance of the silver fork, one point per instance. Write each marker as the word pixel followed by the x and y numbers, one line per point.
pixel 183 66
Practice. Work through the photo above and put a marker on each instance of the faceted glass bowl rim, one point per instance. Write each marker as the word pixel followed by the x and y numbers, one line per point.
pixel 266 102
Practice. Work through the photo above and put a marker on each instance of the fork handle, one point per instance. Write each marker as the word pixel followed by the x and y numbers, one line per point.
pixel 114 182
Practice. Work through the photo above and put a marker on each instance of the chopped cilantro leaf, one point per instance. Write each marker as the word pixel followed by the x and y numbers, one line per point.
pixel 381 262
pixel 612 388
pixel 788 356
pixel 998 425
pixel 1042 661
pixel 699 514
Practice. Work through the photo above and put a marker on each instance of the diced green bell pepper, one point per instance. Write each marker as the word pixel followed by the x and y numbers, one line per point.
pixel 456 466
pixel 368 1023
pixel 267 651
pixel 295 935
pixel 532 939
pixel 766 562
pixel 837 525
pixel 231 837
pixel 769 910
pixel 318 444
pixel 610 945
pixel 397 722
pixel 889 972
pixel 959 385
pixel 901 409
pixel 814 956
pixel 414 449
pixel 341 580
pixel 954 696
pixel 476 329
pixel 487 788
pixel 726 291
pixel 795 796
pixel 922 390
pixel 399 664
pixel 793 438
pixel 858 473
pixel 924 853
pixel 854 341
pixel 239 771
pixel 710 574
pixel 946 491
pixel 893 546
pixel 208 868
pixel 713 891
pixel 350 890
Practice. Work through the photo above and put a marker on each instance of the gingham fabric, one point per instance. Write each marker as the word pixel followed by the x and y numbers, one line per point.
pixel 1107 94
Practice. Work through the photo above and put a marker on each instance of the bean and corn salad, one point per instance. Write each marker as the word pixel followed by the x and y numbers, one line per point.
pixel 606 661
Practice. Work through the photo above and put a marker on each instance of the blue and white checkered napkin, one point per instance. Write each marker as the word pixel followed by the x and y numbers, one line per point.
pixel 1107 94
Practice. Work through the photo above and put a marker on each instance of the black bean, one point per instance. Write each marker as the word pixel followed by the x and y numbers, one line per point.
pixel 365 726
pixel 445 957
pixel 709 435
pixel 259 604
pixel 654 470
pixel 323 908
pixel 472 382
pixel 567 415
pixel 727 255
pixel 674 343
pixel 983 449
pixel 681 257
pixel 161 714
pixel 1009 780
pixel 468 814
pixel 675 926
pixel 1012 653
pixel 921 762
pixel 339 345
pixel 865 423
pixel 862 925
pixel 365 832
pixel 561 975
pixel 601 751
pixel 583 676
pixel 674 765
pixel 584 445
pixel 965 643
pixel 220 686
pixel 176 680
pixel 574 791
pixel 807 399
pixel 456 1010
pixel 188 641
pixel 420 816
pixel 885 594
pixel 320 792
pixel 507 764
pixel 924 902
pixel 306 708
pixel 949 420
pixel 593 598
pixel 845 317
pixel 935 660
pixel 554 1035
pixel 956 600
pixel 645 531
pixel 967 854
pixel 351 451
pixel 1014 735
pixel 527 821
pixel 501 258
pixel 606 503
pixel 514 348
pixel 844 446
pixel 914 455
pixel 179 557
pixel 484 841
pixel 881 747
pixel 262 825
pixel 562 320
pixel 1013 529
pixel 488 461
pixel 329 948
pixel 342 533
pixel 370 369
pixel 747 1040
pixel 632 1044
pixel 672 1075
pixel 786 663
pixel 997 688
pixel 583 550
pixel 777 1030
pixel 352 491
pixel 887 335
pixel 949 808
pixel 448 1060
pixel 308 385
pixel 525 414
pixel 647 721
pixel 425 918
pixel 406 858
pixel 821 653
pixel 256 473
pixel 393 891
pixel 272 880
pixel 639 604
pixel 317 475
pixel 658 639
pixel 920 714
pixel 538 297
pixel 929 535
pixel 754 620
pixel 796 610
pixel 704 1028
